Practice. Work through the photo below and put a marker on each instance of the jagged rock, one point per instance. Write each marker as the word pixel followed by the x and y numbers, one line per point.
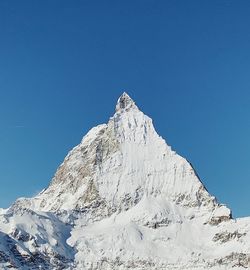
pixel 227 236
pixel 236 259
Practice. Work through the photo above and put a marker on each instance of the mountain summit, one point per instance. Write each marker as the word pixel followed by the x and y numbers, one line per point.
pixel 123 199
pixel 125 102
pixel 118 164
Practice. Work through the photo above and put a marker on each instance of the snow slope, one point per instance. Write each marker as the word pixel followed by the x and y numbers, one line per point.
pixel 122 199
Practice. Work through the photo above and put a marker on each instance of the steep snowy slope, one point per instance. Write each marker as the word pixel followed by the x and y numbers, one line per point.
pixel 122 199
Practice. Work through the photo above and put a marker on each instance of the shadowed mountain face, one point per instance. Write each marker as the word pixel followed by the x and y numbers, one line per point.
pixel 122 199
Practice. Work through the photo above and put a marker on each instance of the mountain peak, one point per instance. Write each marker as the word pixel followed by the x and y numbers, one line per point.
pixel 123 188
pixel 125 102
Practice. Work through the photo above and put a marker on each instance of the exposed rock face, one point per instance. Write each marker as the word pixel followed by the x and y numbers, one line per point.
pixel 227 236
pixel 122 199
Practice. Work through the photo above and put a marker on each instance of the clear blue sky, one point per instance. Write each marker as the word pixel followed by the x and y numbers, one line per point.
pixel 63 64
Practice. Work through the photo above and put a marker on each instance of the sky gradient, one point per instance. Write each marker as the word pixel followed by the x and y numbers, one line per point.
pixel 63 65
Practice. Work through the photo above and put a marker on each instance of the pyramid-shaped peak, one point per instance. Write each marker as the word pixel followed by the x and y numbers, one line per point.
pixel 125 102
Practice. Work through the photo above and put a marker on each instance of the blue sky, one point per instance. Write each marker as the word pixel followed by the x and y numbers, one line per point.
pixel 63 64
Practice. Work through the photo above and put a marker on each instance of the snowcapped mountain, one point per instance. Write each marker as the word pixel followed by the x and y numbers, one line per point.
pixel 122 199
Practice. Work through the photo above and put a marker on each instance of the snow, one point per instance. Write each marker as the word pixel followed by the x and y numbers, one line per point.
pixel 122 199
pixel 221 211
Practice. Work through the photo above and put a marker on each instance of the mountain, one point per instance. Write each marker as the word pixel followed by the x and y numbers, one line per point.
pixel 123 199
